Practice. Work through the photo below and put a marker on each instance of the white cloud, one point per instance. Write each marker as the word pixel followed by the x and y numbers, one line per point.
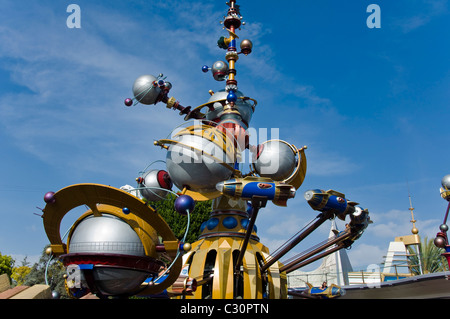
pixel 329 163
pixel 361 255
pixel 430 10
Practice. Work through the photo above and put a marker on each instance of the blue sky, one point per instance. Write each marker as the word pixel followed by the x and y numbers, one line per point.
pixel 372 105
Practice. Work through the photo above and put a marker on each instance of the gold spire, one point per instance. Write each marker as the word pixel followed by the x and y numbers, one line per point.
pixel 414 230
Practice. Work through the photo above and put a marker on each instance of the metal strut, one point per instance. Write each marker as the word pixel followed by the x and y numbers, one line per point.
pixel 322 218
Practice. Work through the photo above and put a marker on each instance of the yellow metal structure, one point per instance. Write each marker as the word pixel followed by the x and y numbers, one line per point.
pixel 105 199
pixel 212 259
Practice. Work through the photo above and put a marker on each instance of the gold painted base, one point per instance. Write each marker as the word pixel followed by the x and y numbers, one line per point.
pixel 212 263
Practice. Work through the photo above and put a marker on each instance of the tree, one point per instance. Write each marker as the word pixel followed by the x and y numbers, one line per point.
pixel 6 265
pixel 429 258
pixel 178 223
pixel 55 274
pixel 19 273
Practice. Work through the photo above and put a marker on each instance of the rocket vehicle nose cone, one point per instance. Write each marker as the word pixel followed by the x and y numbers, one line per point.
pixel 219 186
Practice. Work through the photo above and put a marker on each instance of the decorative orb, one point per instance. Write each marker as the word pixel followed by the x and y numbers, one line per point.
pixel 126 210
pixel 219 70
pixel 49 250
pixel 231 97
pixel 187 247
pixel 439 241
pixel 415 231
pixel 144 91
pixel 55 295
pixel 110 239
pixel 443 227
pixel 49 197
pixel 196 158
pixel 246 46
pixel 445 182
pixel 153 183
pixel 274 159
pixel 212 223
pixel 114 234
pixel 205 68
pixel 184 203
pixel 230 222
pixel 128 102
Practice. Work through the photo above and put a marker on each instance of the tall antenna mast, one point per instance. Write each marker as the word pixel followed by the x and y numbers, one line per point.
pixel 415 230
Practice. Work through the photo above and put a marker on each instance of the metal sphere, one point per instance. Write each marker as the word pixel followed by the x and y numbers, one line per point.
pixel 246 46
pixel 109 235
pixel 144 91
pixel 275 159
pixel 445 182
pixel 231 97
pixel 49 197
pixel 55 295
pixel 152 182
pixel 439 241
pixel 105 234
pixel 443 227
pixel 183 204
pixel 219 70
pixel 230 222
pixel 128 102
pixel 195 161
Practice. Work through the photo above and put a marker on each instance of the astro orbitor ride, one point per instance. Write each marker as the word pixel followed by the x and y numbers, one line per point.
pixel 122 247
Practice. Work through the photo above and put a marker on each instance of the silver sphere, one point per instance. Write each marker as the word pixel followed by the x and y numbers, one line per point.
pixel 105 234
pixel 245 108
pixel 190 163
pixel 445 182
pixel 152 183
pixel 219 70
pixel 439 241
pixel 144 91
pixel 109 235
pixel 443 227
pixel 276 160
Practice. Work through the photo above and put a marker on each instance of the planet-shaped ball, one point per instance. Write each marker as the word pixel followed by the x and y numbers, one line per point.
pixel 153 183
pixel 184 203
pixel 144 91
pixel 219 70
pixel 439 242
pixel 274 159
pixel 199 158
pixel 108 236
pixel 49 197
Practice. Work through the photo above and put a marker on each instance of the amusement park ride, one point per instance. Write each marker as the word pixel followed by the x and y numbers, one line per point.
pixel 122 247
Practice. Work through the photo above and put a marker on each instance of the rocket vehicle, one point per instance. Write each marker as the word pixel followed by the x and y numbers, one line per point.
pixel 331 292
pixel 330 200
pixel 250 186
